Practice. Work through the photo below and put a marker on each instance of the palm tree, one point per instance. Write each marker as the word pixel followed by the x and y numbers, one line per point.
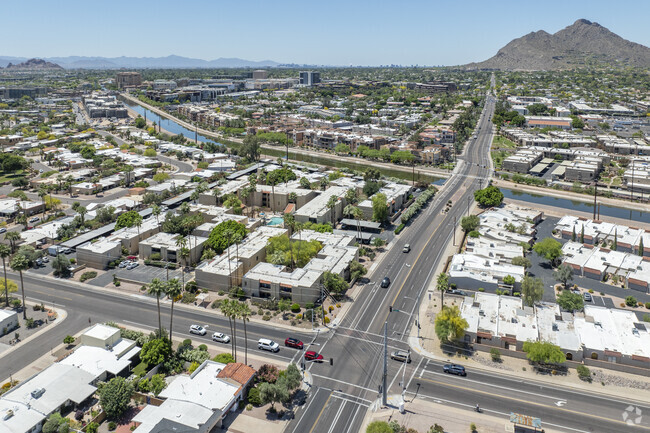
pixel 183 253
pixel 226 308
pixel 245 193
pixel 20 263
pixel 194 196
pixel 229 235
pixel 5 251
pixel 173 289
pixel 272 179
pixel 331 204
pixel 82 211
pixel 157 288
pixel 12 237
pixel 216 192
pixel 155 210
pixel 356 213
pixel 42 193
pixel 21 218
pixel 245 314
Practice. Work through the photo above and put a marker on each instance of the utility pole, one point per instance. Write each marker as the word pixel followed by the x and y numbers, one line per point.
pixel 595 195
pixel 454 230
pixel 384 396
pixel 413 172
pixel 468 201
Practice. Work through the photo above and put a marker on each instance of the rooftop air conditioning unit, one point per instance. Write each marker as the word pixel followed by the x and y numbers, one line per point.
pixel 38 392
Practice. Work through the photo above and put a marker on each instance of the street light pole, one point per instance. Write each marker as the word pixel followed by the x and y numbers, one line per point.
pixel 384 396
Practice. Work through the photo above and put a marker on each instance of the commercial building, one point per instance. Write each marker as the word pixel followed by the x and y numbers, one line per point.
pixel 8 321
pixel 128 79
pixel 396 195
pixel 309 78
pixel 303 285
pixel 260 74
pixel 166 245
pixel 99 254
pixel 318 211
pixel 548 122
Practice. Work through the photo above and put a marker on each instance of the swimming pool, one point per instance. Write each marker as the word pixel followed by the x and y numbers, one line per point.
pixel 275 221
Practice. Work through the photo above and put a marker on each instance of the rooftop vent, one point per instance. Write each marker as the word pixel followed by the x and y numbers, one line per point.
pixel 38 392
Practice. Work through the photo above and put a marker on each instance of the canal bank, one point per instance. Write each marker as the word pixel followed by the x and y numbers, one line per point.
pixel 173 126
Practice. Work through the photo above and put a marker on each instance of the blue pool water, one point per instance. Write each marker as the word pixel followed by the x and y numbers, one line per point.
pixel 275 221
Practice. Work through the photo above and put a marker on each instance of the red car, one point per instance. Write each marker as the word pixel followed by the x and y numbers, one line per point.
pixel 293 342
pixel 310 355
pixel 132 258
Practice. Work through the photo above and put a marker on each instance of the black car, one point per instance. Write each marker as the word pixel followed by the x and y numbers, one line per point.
pixel 385 282
pixel 454 369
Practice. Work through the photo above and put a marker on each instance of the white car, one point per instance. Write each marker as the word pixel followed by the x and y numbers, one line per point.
pixel 197 329
pixel 220 337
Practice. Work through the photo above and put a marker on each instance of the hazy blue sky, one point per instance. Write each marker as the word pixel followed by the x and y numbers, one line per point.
pixel 333 32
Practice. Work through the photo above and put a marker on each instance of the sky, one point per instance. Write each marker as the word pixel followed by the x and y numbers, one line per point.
pixel 330 32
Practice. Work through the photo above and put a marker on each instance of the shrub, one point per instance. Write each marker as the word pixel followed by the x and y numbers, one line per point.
pixel 299 317
pixel 193 367
pixel 472 427
pixel 309 305
pixel 112 425
pixel 87 276
pixel 266 317
pixel 326 320
pixel 224 358
pixel 495 354
pixel 399 228
pixel 15 303
pixel 268 373
pixel 630 301
pixel 295 308
pixel 254 397
pixel 481 289
pixel 30 323
pixel 249 407
pixel 647 305
pixel 92 427
pixel 69 339
pixel 583 372
pixel 203 347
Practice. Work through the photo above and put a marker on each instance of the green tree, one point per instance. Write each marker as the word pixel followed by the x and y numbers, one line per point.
pixel 509 279
pixel 532 290
pixel 522 261
pixel 156 351
pixel 379 427
pixel 13 238
pixel 470 223
pixel 60 265
pixel 217 239
pixel 157 384
pixel 449 324
pixel 342 148
pixel 244 314
pixel 292 377
pixel 489 197
pixel 273 393
pixel 548 248
pixel 251 147
pixel 357 270
pixel 114 396
pixel 140 122
pixel 56 424
pixel 570 301
pixel 151 153
pixel 69 339
pixel 157 288
pixel 334 283
pixel 379 208
pixel 128 219
pixel 563 274
pixel 371 174
pixel 543 352
pixel 20 263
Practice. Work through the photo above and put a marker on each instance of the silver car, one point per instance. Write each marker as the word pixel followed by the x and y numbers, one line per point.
pixel 220 337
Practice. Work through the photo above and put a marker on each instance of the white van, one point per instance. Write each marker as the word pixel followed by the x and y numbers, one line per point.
pixel 266 344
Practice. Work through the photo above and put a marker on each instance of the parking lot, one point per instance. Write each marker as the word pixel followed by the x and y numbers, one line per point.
pixel 142 274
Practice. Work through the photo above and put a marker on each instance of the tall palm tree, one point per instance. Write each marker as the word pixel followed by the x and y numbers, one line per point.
pixel 216 192
pixel 229 234
pixel 42 193
pixel 5 251
pixel 12 237
pixel 331 204
pixel 194 196
pixel 226 309
pixel 356 213
pixel 155 210
pixel 20 263
pixel 173 290
pixel 183 252
pixel 157 288
pixel 82 211
pixel 245 314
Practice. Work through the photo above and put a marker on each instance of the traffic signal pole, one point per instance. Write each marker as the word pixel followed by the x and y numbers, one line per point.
pixel 384 396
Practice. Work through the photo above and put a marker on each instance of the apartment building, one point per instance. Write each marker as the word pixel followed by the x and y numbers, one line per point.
pixel 318 211
pixel 522 161
pixel 165 244
pixel 128 79
pixel 396 195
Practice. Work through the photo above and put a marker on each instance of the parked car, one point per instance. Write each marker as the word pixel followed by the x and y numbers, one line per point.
pixel 310 355
pixel 3 230
pixel 454 369
pixel 124 264
pixel 197 329
pixel 407 248
pixel 39 262
pixel 266 344
pixel 385 282
pixel 67 251
pixel 293 342
pixel 34 219
pixel 220 337
pixel 45 259
pixel 132 265
pixel 132 258
pixel 587 297
pixel 401 356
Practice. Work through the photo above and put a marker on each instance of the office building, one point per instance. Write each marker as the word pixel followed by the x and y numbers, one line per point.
pixel 128 79
pixel 309 78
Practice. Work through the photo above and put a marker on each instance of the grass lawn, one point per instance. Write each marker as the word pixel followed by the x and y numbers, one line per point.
pixel 500 141
pixel 11 176
pixel 141 369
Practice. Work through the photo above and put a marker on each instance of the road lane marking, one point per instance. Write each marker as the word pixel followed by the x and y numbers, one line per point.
pixel 338 415
pixel 351 397
pixel 345 383
pixel 304 411
pixel 533 403
pixel 320 413
pixel 54 304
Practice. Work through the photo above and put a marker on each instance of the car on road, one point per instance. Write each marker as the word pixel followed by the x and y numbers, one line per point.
pixel 385 282
pixel 310 355
pixel 407 248
pixel 3 230
pixel 401 356
pixel 454 369
pixel 220 337
pixel 34 219
pixel 587 297
pixel 132 265
pixel 266 344
pixel 197 329
pixel 293 342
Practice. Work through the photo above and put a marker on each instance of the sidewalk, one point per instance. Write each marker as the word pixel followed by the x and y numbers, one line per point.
pixel 422 414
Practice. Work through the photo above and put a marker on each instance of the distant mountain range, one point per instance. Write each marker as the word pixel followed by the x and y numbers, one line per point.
pixel 34 64
pixel 581 44
pixel 169 62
